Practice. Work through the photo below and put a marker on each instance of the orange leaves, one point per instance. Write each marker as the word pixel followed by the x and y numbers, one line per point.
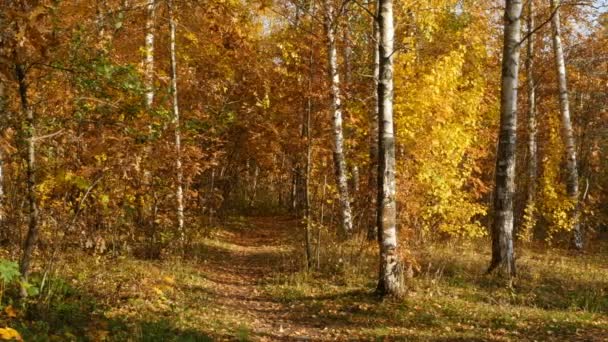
pixel 11 312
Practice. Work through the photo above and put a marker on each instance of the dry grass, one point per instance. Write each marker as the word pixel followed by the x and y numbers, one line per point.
pixel 245 281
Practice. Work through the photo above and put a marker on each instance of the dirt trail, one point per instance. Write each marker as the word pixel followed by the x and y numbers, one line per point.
pixel 253 255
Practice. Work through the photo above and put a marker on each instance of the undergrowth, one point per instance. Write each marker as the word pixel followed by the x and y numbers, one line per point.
pixel 556 296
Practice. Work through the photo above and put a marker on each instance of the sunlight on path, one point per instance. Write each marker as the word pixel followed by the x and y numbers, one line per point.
pixel 246 259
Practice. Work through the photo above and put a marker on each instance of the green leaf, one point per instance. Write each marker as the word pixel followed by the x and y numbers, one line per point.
pixel 9 270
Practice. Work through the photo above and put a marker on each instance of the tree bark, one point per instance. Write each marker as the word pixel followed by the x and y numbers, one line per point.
pixel 390 277
pixel 3 230
pixel 339 158
pixel 532 124
pixel 100 19
pixel 149 53
pixel 502 227
pixel 372 233
pixel 32 232
pixel 572 187
pixel 179 192
pixel 306 134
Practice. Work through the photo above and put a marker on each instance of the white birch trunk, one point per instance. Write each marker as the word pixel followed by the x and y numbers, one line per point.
pixel 502 228
pixel 149 53
pixel 532 124
pixel 391 277
pixel 307 134
pixel 2 199
pixel 32 232
pixel 336 107
pixel 372 233
pixel 567 131
pixel 179 193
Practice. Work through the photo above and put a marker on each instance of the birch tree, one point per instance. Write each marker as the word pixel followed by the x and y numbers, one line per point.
pixel 29 127
pixel 572 187
pixel 307 135
pixel 336 109
pixel 148 64
pixel 531 125
pixel 390 278
pixel 4 112
pixel 179 195
pixel 502 227
pixel 372 232
pixel 149 53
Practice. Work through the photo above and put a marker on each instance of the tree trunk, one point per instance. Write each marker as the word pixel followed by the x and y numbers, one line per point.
pixel 145 186
pixel 3 230
pixel 372 233
pixel 347 53
pixel 390 277
pixel 532 125
pixel 306 134
pixel 32 232
pixel 149 53
pixel 502 227
pixel 339 159
pixel 179 193
pixel 567 131
pixel 100 19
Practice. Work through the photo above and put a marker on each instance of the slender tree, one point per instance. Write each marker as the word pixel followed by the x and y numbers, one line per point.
pixel 148 63
pixel 149 53
pixel 306 134
pixel 572 187
pixel 390 278
pixel 372 233
pixel 179 194
pixel 29 127
pixel 532 125
pixel 3 112
pixel 336 109
pixel 502 227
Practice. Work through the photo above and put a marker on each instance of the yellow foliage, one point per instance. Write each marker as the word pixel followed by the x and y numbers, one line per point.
pixel 444 95
pixel 554 204
pixel 10 334
pixel 529 222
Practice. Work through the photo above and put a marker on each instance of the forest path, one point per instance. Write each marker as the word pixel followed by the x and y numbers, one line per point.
pixel 248 256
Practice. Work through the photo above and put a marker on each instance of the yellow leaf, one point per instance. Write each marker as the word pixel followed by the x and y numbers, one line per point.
pixel 9 334
pixel 169 280
pixel 158 291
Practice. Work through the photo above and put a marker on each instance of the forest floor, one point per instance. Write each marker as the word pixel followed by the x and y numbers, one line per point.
pixel 244 282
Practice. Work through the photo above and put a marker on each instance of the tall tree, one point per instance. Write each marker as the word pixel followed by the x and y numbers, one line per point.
pixel 179 193
pixel 336 109
pixel 372 232
pixel 4 113
pixel 148 63
pixel 532 125
pixel 307 135
pixel 149 53
pixel 390 277
pixel 572 187
pixel 32 232
pixel 502 228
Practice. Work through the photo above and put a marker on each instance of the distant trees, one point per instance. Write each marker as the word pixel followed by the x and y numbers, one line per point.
pixel 185 114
